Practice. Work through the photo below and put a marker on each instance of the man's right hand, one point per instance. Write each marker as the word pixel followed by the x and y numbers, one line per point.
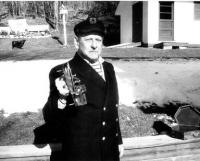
pixel 61 86
pixel 63 90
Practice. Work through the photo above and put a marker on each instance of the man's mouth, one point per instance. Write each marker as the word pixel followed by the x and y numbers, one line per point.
pixel 93 51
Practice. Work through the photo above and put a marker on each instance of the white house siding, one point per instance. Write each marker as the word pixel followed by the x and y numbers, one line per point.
pixel 152 22
pixel 186 28
pixel 125 11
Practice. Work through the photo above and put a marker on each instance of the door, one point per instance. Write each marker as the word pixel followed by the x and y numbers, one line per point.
pixel 137 22
pixel 166 23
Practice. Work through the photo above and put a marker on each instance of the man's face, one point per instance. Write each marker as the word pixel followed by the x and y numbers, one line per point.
pixel 89 47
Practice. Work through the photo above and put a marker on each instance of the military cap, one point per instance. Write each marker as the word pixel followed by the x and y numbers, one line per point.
pixel 89 26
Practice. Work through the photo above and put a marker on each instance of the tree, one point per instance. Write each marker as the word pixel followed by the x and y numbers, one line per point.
pixel 50 9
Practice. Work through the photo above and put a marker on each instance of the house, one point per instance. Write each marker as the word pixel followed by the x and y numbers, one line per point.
pixel 20 25
pixel 154 22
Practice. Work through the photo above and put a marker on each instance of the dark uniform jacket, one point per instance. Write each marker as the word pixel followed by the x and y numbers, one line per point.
pixel 90 132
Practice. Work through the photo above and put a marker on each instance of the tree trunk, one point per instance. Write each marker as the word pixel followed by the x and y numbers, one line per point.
pixel 56 14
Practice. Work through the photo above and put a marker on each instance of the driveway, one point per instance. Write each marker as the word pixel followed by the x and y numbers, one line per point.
pixel 24 85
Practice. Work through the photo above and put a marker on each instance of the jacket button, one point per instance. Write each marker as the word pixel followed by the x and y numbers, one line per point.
pixel 117 105
pixel 103 123
pixel 104 108
pixel 103 138
pixel 116 119
pixel 116 134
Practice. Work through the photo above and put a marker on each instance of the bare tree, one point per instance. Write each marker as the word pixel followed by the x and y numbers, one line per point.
pixel 50 9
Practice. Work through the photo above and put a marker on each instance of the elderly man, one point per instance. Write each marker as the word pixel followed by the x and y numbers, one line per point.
pixel 88 121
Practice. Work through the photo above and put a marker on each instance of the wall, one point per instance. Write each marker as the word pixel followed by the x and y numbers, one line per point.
pixel 186 28
pixel 153 22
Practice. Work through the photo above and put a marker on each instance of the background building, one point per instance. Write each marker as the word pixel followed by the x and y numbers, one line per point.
pixel 152 22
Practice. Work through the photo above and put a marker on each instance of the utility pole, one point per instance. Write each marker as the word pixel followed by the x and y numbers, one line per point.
pixel 64 13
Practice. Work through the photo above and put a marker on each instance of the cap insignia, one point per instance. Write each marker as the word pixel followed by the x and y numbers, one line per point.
pixel 93 20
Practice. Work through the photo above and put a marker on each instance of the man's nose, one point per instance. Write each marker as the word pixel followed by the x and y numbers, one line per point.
pixel 94 44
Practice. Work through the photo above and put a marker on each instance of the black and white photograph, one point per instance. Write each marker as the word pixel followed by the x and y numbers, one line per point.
pixel 100 80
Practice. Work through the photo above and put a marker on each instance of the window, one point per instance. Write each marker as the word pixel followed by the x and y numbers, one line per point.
pixel 197 10
pixel 166 10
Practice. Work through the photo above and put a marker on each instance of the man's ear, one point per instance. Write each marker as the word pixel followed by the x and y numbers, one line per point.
pixel 76 42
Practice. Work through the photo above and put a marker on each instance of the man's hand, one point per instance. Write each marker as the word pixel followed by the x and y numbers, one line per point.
pixel 61 86
pixel 121 150
pixel 63 90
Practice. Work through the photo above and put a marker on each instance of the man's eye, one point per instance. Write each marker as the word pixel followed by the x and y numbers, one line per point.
pixel 88 39
pixel 99 40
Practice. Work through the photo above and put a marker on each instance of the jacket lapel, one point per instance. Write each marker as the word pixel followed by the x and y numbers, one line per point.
pixel 82 68
pixel 111 84
pixel 107 78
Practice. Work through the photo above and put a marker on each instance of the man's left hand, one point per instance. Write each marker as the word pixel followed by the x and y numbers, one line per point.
pixel 121 150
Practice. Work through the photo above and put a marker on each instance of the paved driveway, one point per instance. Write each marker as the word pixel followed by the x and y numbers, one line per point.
pixel 24 85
